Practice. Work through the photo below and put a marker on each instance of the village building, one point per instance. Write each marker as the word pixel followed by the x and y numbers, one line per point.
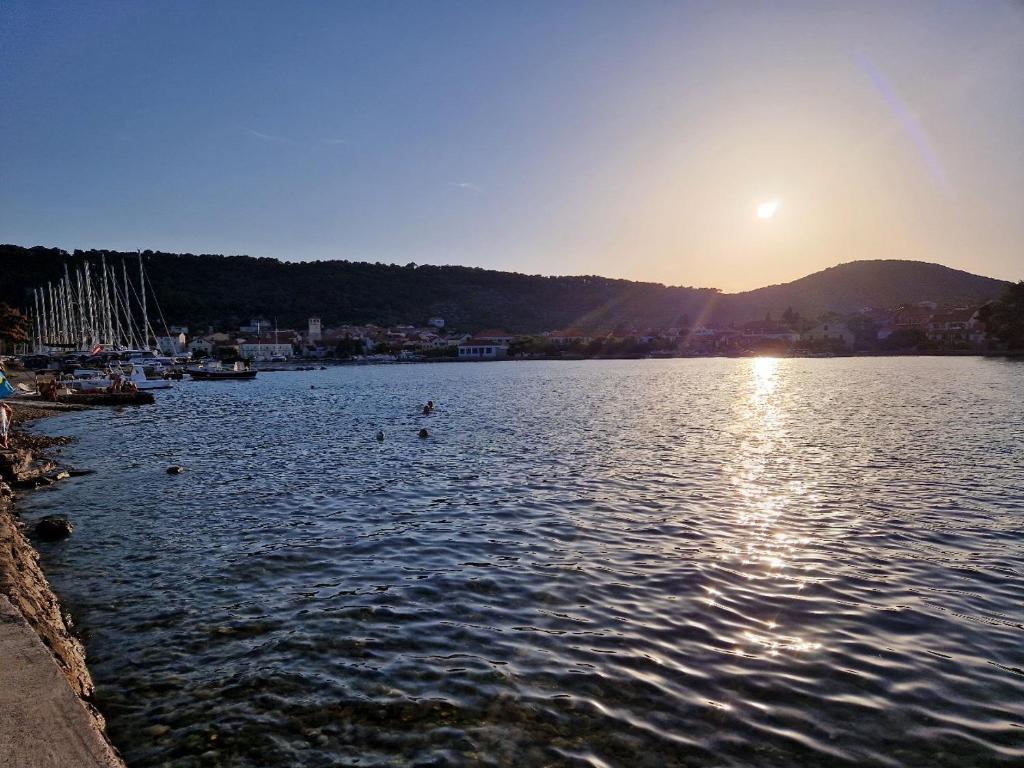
pixel 766 329
pixel 495 337
pixel 482 349
pixel 253 349
pixel 201 347
pixel 172 345
pixel 836 332
pixel 953 327
pixel 569 336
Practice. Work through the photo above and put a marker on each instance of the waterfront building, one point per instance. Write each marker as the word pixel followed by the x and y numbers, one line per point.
pixel 494 337
pixel 835 332
pixel 255 350
pixel 482 349
pixel 172 345
pixel 201 347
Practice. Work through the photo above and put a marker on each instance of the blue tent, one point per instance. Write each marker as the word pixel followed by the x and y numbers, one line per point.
pixel 6 390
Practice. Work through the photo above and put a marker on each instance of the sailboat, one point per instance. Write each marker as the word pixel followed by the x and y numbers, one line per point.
pixel 92 311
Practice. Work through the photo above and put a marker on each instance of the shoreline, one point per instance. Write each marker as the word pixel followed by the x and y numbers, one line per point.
pixel 46 697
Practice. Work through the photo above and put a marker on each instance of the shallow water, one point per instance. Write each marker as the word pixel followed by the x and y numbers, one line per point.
pixel 644 563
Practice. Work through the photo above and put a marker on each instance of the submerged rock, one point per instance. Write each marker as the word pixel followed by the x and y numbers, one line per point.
pixel 54 528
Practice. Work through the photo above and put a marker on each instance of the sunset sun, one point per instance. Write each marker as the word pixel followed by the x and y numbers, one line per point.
pixel 768 208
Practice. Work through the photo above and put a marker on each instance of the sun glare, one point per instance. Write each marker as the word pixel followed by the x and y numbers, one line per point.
pixel 768 208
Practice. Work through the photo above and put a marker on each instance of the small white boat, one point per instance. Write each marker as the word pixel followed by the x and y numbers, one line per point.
pixel 137 376
pixel 88 380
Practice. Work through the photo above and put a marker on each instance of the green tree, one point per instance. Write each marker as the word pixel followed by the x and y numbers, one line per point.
pixel 1004 318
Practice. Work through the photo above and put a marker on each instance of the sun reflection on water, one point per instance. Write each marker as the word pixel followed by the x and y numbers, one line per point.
pixel 763 553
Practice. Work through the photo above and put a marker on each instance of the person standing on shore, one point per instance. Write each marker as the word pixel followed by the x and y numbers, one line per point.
pixel 6 418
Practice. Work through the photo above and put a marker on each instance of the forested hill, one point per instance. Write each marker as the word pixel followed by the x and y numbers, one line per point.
pixel 226 290
pixel 852 286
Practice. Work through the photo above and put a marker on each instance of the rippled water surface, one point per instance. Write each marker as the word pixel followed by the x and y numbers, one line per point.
pixel 636 563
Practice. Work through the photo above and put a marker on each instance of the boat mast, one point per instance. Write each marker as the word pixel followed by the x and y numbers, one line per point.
pixel 128 305
pixel 105 301
pixel 142 293
pixel 58 330
pixel 81 309
pixel 39 328
pixel 90 310
pixel 70 334
pixel 116 316
pixel 45 325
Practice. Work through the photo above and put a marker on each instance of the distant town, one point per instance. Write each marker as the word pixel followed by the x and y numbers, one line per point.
pixel 922 327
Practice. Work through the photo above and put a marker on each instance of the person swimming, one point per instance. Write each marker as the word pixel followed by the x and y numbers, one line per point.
pixel 424 433
pixel 380 436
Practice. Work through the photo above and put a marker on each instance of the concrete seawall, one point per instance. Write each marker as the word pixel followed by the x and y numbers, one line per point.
pixel 46 718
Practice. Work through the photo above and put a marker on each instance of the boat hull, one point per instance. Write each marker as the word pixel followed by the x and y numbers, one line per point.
pixel 222 375
pixel 107 398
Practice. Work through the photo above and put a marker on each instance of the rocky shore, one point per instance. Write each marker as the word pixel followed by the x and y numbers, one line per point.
pixel 73 733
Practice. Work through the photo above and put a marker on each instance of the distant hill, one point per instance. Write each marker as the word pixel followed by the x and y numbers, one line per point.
pixel 225 291
pixel 852 286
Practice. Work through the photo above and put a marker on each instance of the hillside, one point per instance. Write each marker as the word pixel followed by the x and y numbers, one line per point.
pixel 226 290
pixel 852 286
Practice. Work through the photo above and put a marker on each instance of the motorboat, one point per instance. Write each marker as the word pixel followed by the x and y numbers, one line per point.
pixel 216 372
pixel 88 380
pixel 136 374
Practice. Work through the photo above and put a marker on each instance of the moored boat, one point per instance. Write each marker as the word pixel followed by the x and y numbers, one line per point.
pixel 105 398
pixel 215 372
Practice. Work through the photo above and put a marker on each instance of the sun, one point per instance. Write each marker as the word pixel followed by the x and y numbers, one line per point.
pixel 768 208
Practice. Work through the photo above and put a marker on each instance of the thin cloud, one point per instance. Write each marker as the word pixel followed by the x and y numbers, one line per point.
pixel 268 137
pixel 467 185
pixel 335 142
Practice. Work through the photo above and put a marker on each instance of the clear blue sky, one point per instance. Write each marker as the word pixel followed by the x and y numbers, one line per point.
pixel 628 139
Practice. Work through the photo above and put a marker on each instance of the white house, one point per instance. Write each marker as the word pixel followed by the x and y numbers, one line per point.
pixel 200 347
pixel 830 331
pixel 479 349
pixel 262 351
pixel 171 345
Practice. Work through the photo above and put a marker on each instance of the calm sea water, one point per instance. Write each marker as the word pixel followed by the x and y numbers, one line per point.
pixel 638 563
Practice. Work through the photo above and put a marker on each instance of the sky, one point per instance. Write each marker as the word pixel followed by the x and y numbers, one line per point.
pixel 627 139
